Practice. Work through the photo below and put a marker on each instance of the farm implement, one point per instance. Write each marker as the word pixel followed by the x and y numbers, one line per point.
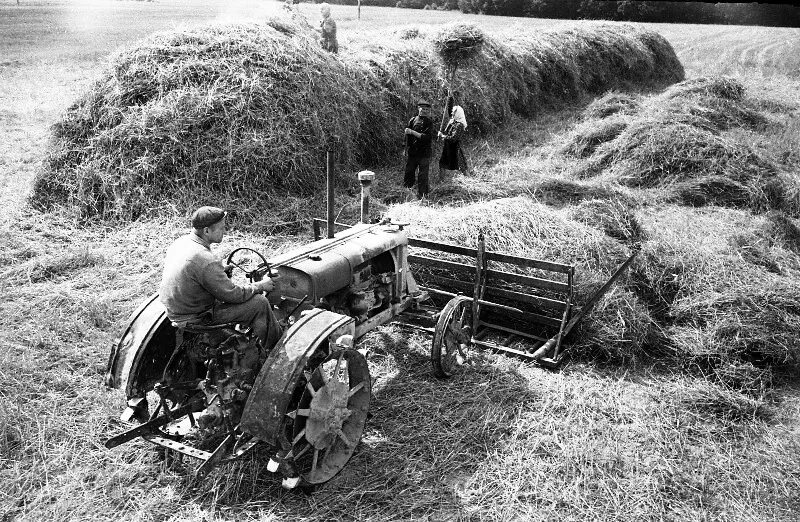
pixel 212 393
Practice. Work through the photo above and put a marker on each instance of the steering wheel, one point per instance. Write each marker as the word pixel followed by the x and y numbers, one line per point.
pixel 245 265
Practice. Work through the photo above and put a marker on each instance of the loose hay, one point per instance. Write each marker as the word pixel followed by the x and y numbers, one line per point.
pixel 678 141
pixel 612 102
pixel 456 43
pixel 587 137
pixel 712 301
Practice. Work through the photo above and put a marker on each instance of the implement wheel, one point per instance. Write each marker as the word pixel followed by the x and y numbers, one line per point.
pixel 452 338
pixel 330 416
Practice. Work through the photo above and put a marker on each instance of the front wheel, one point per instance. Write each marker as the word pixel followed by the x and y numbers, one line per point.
pixel 453 337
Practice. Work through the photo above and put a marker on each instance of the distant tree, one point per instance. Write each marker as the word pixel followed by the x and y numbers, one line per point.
pixel 650 11
pixel 506 7
pixel 594 10
pixel 568 9
pixel 411 4
pixel 627 10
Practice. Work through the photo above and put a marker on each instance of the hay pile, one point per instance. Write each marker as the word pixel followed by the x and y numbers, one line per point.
pixel 458 42
pixel 243 113
pixel 692 141
pixel 714 302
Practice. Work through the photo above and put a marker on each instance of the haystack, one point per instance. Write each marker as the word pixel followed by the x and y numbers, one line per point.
pixel 243 114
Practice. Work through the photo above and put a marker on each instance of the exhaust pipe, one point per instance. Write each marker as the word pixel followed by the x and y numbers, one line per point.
pixel 365 177
pixel 329 178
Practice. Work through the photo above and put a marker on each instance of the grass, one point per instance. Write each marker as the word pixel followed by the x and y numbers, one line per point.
pixel 695 437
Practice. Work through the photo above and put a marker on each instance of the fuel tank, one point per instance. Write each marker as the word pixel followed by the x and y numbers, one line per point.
pixel 325 266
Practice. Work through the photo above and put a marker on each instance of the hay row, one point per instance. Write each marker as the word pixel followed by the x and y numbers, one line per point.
pixel 243 113
pixel 692 141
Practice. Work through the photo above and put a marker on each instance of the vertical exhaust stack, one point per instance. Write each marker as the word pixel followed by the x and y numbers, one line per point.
pixel 329 201
pixel 365 177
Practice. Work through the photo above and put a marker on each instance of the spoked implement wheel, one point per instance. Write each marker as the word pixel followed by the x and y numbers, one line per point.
pixel 330 417
pixel 453 336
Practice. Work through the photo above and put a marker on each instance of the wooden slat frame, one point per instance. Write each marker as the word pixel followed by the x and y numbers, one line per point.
pixel 545 284
pixel 517 314
pixel 492 256
pixel 544 302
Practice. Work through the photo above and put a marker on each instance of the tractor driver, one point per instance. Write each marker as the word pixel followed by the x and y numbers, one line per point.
pixel 196 288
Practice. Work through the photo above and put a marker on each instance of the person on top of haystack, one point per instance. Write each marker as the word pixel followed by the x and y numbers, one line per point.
pixel 196 288
pixel 419 134
pixel 452 157
pixel 327 28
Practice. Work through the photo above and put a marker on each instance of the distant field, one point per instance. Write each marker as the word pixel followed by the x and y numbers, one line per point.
pixel 507 441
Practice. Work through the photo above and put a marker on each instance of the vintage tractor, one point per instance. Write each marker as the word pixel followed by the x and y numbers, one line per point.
pixel 212 394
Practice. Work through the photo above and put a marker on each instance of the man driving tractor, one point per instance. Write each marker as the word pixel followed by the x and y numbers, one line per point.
pixel 196 288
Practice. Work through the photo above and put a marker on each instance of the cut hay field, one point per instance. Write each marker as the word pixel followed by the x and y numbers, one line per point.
pixel 680 403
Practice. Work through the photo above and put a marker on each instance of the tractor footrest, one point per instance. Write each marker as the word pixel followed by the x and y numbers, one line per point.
pixel 178 446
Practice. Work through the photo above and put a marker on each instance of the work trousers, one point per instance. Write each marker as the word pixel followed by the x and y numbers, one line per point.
pixel 256 313
pixel 412 164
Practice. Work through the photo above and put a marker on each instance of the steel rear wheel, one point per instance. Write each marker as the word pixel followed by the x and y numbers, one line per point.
pixel 330 417
pixel 452 338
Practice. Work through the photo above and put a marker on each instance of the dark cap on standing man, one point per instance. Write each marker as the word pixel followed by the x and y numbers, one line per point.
pixel 423 103
pixel 206 216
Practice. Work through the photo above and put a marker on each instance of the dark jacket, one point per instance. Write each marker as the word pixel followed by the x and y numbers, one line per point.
pixel 420 147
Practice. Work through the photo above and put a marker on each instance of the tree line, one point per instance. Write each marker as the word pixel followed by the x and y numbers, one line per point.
pixel 772 14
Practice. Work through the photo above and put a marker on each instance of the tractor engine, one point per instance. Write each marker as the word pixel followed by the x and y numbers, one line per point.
pixel 368 295
pixel 361 273
pixel 231 359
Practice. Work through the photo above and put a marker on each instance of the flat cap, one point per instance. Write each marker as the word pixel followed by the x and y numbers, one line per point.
pixel 423 103
pixel 206 216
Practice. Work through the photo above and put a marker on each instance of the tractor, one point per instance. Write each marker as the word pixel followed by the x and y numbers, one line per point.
pixel 211 392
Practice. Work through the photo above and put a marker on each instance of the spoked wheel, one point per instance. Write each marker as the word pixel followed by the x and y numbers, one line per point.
pixel 452 338
pixel 330 416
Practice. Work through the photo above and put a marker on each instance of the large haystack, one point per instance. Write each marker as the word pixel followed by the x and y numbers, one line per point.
pixel 241 114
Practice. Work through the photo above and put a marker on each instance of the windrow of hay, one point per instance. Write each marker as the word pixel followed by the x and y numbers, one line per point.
pixel 612 102
pixel 692 141
pixel 713 302
pixel 244 113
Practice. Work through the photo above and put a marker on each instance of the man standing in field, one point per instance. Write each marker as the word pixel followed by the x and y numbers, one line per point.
pixel 327 29
pixel 195 287
pixel 418 149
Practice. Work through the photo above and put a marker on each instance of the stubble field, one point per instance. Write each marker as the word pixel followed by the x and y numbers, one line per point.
pixel 629 441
